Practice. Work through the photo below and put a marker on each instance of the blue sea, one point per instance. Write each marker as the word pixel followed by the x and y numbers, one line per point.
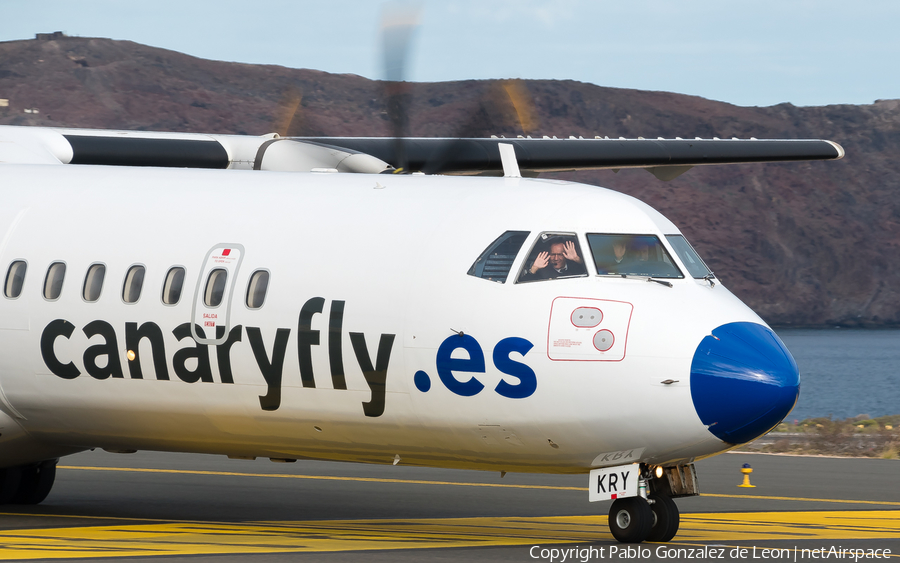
pixel 845 372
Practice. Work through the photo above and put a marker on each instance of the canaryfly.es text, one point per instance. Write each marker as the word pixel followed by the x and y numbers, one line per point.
pixel 190 362
pixel 629 552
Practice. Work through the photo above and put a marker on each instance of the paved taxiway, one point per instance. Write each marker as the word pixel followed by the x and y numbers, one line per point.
pixel 155 507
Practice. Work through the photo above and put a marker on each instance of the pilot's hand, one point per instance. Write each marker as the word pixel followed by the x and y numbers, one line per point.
pixel 570 253
pixel 540 262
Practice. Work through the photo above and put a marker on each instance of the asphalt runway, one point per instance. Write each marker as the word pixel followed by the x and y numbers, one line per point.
pixel 181 507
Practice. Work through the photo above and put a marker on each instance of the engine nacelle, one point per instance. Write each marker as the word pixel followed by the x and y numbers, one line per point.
pixel 287 155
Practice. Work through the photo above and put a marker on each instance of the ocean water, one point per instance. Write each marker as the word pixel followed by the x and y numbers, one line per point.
pixel 845 372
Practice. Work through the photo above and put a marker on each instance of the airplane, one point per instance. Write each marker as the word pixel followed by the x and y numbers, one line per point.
pixel 303 298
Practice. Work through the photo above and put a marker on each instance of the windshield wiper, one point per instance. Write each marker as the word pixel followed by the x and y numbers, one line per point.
pixel 710 277
pixel 648 278
pixel 661 282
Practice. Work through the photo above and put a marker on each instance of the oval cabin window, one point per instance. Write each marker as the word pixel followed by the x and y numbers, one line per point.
pixel 56 273
pixel 93 282
pixel 215 287
pixel 134 282
pixel 256 291
pixel 173 285
pixel 15 278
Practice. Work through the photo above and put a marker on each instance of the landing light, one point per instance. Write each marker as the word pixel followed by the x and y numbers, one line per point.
pixel 659 471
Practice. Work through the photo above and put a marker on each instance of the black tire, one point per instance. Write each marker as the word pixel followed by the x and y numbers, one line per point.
pixel 630 519
pixel 9 483
pixel 665 523
pixel 37 480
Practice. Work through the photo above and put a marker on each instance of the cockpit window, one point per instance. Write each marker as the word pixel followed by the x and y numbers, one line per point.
pixel 632 255
pixel 497 259
pixel 555 255
pixel 689 256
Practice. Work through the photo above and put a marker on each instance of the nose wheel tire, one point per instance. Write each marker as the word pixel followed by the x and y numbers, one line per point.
pixel 29 484
pixel 630 519
pixel 666 518
pixel 36 482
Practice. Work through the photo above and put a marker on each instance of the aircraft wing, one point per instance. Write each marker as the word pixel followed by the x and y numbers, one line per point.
pixel 668 156
pixel 665 158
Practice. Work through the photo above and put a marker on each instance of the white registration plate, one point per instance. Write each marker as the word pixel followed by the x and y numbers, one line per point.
pixel 609 483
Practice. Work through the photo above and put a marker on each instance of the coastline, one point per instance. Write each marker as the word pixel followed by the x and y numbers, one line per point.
pixel 859 436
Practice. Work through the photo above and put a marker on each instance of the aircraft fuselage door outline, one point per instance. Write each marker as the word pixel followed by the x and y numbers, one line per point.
pixel 213 296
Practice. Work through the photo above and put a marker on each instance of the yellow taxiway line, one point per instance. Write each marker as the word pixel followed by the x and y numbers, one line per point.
pixel 156 537
pixel 210 538
pixel 323 478
pixel 443 483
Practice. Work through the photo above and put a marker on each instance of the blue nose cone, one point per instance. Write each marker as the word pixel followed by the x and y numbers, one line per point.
pixel 743 381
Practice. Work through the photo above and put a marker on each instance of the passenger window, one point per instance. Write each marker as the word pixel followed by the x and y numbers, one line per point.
pixel 497 259
pixel 689 257
pixel 256 291
pixel 173 285
pixel 134 282
pixel 15 277
pixel 215 287
pixel 93 282
pixel 632 255
pixel 54 281
pixel 554 255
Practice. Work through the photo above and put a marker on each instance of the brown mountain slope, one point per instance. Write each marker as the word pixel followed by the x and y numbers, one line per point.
pixel 806 243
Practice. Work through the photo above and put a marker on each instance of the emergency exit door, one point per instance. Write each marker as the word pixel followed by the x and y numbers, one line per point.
pixel 211 312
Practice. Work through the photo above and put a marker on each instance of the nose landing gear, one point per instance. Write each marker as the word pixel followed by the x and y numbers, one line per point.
pixel 651 515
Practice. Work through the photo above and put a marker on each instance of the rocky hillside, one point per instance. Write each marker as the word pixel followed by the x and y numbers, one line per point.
pixel 803 244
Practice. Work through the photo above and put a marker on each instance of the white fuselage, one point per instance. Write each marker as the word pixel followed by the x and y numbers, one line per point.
pixel 387 257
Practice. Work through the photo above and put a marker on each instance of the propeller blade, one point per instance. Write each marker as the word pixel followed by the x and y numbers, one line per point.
pixel 290 105
pixel 503 108
pixel 522 103
pixel 398 24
